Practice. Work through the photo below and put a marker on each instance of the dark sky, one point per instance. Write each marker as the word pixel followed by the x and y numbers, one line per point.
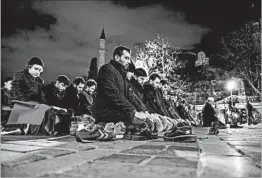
pixel 65 33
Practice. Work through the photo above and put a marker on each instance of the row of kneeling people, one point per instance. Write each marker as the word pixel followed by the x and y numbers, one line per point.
pixel 121 98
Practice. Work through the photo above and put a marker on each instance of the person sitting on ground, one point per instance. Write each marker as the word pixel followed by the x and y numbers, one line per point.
pixel 55 97
pixel 154 101
pixel 136 98
pixel 89 93
pixel 6 104
pixel 28 86
pixel 74 98
pixel 112 104
pixel 55 91
pixel 153 97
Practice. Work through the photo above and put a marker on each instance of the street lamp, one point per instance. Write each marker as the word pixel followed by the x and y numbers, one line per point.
pixel 230 86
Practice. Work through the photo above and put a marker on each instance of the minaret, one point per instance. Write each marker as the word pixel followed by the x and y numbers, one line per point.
pixel 102 50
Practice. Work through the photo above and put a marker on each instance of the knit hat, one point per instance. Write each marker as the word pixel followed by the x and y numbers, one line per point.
pixel 35 60
pixel 63 79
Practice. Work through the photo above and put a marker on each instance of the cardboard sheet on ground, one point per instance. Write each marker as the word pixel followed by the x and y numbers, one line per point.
pixel 27 113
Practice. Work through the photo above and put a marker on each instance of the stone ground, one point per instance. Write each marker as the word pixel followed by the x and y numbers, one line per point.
pixel 233 153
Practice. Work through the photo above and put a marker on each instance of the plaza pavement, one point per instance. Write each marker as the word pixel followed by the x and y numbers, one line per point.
pixel 233 153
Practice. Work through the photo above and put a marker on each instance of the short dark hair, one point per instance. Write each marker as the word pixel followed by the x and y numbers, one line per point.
pixel 140 72
pixel 63 79
pixel 154 76
pixel 90 83
pixel 163 82
pixel 119 51
pixel 79 80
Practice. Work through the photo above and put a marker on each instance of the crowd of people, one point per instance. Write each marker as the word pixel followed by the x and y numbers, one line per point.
pixel 123 100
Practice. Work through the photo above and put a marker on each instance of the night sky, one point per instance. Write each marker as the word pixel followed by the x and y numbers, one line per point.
pixel 65 33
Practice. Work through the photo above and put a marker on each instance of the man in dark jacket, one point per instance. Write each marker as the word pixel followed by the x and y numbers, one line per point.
pixel 89 93
pixel 74 99
pixel 209 113
pixel 153 97
pixel 111 103
pixel 136 89
pixel 6 99
pixel 27 85
pixel 55 97
pixel 55 91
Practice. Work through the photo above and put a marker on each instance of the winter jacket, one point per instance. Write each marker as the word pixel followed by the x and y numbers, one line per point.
pixel 136 95
pixel 111 104
pixel 75 101
pixel 154 101
pixel 6 98
pixel 89 100
pixel 209 115
pixel 27 88
pixel 53 96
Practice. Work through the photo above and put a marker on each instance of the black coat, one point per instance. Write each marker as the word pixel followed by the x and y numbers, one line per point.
pixel 76 102
pixel 5 98
pixel 27 88
pixel 53 96
pixel 111 104
pixel 154 101
pixel 136 95
pixel 208 114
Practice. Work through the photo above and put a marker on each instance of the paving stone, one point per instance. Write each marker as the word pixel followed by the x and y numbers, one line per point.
pixel 183 148
pixel 23 160
pixel 10 155
pixel 107 169
pixel 55 152
pixel 154 147
pixel 135 159
pixel 56 165
pixel 36 143
pixel 66 138
pixel 77 146
pixel 222 149
pixel 232 139
pixel 144 151
pixel 245 143
pixel 174 162
pixel 182 144
pixel 221 166
pixel 20 148
pixel 118 144
pixel 249 148
pixel 5 138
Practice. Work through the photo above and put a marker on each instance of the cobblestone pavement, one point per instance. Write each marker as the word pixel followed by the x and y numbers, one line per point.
pixel 233 153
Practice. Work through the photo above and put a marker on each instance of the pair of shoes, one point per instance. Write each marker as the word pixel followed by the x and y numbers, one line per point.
pixel 180 134
pixel 95 132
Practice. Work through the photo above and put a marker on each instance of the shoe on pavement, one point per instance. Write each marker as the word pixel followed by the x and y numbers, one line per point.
pixel 136 133
pixel 180 134
pixel 236 126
